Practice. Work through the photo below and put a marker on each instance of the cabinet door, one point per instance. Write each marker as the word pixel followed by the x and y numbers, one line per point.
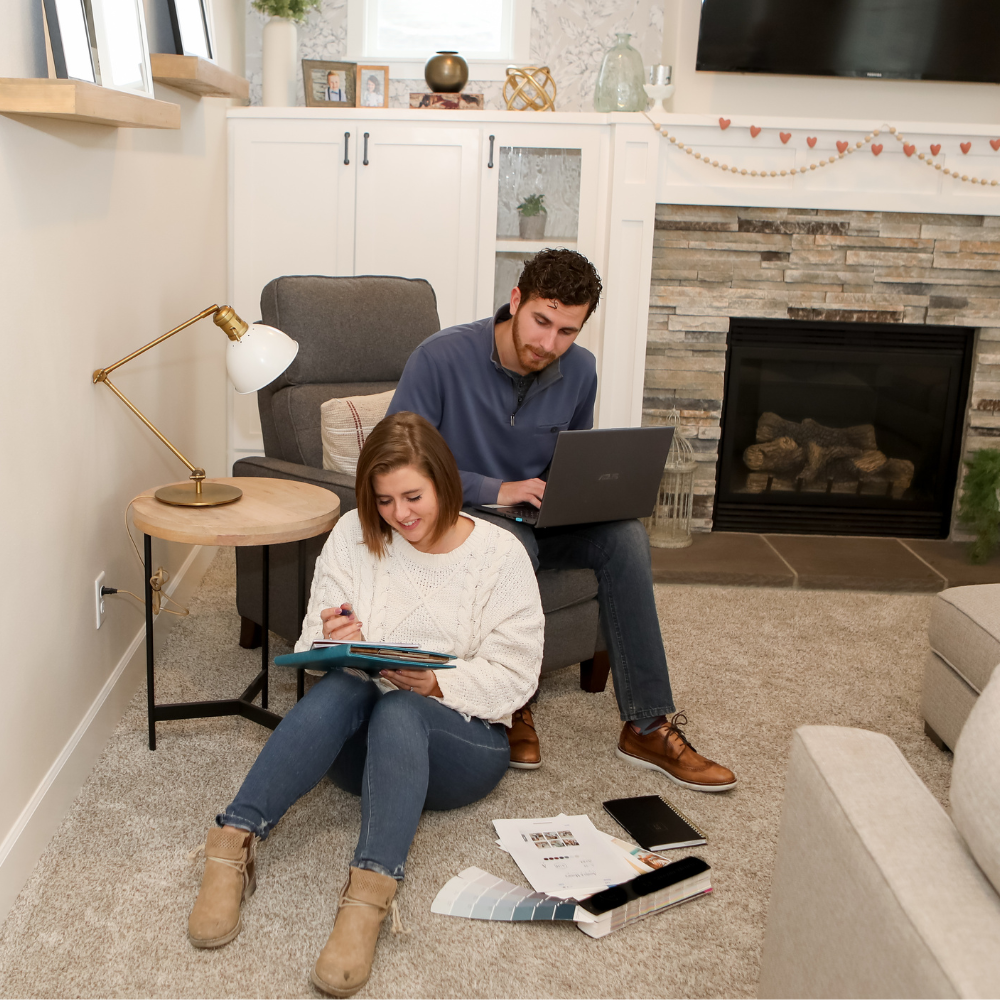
pixel 566 164
pixel 292 212
pixel 417 209
pixel 293 204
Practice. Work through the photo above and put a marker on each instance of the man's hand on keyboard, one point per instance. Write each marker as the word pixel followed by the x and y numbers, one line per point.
pixel 523 491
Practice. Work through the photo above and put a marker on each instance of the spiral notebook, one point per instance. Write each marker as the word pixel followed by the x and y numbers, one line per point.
pixel 653 823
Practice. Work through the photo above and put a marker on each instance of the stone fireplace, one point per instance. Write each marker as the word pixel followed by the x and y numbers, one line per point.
pixel 873 275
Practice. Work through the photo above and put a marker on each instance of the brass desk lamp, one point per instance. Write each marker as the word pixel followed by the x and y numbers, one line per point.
pixel 257 355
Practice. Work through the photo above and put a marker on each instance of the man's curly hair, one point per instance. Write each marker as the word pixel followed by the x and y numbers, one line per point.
pixel 564 275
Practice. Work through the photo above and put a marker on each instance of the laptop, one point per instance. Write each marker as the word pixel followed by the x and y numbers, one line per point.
pixel 610 474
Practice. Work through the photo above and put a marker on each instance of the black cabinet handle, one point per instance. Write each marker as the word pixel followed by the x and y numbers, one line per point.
pixel 365 158
pixel 490 164
pixel 347 136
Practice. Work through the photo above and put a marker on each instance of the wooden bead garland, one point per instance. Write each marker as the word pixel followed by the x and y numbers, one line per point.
pixel 793 171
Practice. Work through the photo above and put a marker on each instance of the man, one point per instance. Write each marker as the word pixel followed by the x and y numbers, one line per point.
pixel 499 390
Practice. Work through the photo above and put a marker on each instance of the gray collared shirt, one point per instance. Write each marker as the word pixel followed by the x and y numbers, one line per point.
pixel 497 433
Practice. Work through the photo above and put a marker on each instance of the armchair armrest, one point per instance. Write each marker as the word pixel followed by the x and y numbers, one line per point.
pixel 277 468
pixel 874 892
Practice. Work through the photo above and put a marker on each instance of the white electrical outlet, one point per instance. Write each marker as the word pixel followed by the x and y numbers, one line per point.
pixel 99 599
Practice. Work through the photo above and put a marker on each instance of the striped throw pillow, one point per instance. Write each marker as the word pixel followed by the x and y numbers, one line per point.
pixel 345 424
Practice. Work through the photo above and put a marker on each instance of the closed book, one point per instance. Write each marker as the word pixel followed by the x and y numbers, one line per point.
pixel 645 895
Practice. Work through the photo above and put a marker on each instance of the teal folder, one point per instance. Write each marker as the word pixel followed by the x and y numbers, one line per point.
pixel 366 657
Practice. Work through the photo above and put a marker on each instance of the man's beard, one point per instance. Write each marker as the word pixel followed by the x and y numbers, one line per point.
pixel 526 357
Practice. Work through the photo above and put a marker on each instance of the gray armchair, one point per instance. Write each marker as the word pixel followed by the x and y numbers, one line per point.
pixel 355 335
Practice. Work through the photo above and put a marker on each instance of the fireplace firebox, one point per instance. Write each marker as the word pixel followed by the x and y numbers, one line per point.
pixel 841 428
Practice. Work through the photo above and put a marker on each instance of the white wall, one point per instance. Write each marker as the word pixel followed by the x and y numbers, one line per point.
pixel 813 97
pixel 108 237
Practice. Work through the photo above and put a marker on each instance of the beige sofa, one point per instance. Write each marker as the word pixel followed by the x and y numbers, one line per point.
pixel 876 891
pixel 964 637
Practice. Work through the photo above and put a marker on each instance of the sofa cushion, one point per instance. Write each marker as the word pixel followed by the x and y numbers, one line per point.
pixel 563 588
pixel 975 781
pixel 965 631
pixel 297 416
pixel 345 423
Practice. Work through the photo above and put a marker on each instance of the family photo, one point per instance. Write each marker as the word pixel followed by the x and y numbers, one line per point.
pixel 329 83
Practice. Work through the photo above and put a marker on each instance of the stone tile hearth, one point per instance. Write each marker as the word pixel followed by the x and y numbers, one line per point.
pixel 822 562
pixel 714 263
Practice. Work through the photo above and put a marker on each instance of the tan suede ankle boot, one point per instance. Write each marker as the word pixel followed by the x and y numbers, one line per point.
pixel 230 877
pixel 345 962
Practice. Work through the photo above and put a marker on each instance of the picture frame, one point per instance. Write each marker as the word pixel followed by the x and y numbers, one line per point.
pixel 372 85
pixel 322 78
pixel 72 39
pixel 123 46
pixel 191 23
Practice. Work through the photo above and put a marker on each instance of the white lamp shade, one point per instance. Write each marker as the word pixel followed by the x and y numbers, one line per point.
pixel 259 357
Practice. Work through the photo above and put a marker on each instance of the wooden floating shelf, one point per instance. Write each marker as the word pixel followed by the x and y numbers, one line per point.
pixel 76 101
pixel 514 245
pixel 198 76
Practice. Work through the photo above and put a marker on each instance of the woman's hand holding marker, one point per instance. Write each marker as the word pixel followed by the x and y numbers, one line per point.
pixel 340 623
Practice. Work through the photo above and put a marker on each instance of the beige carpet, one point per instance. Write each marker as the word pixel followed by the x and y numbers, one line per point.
pixel 104 912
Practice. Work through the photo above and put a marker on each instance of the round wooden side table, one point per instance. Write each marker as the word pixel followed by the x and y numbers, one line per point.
pixel 270 512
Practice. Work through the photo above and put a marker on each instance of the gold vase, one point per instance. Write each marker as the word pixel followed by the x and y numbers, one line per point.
pixel 446 73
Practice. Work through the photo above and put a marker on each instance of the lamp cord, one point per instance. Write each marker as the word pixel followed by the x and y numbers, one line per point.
pixel 135 548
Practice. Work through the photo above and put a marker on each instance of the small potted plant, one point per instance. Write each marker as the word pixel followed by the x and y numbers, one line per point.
pixel 531 217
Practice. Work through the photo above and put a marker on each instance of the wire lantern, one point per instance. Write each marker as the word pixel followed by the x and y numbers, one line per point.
pixel 669 526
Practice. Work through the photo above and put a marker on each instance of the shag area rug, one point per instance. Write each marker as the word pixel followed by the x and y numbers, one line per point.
pixel 105 910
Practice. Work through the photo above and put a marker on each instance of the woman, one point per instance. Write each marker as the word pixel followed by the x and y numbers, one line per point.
pixel 406 567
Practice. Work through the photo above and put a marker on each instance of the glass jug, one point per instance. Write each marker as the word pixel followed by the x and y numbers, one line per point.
pixel 619 83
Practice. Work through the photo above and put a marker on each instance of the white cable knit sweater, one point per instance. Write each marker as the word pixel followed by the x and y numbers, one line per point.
pixel 478 602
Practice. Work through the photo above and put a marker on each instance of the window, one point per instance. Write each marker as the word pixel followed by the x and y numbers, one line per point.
pixel 490 34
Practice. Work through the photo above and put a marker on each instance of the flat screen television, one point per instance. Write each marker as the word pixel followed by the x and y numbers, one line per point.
pixel 905 39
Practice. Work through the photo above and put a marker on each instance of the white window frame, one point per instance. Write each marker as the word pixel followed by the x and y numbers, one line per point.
pixel 360 43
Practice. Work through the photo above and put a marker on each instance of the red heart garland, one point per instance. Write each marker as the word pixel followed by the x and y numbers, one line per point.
pixel 754 131
pixel 842 146
pixel 811 140
pixel 784 136
pixel 724 123
pixel 935 149
pixel 995 143
pixel 965 146
pixel 909 149
pixel 876 148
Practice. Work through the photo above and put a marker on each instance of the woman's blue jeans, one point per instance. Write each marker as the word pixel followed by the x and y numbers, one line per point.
pixel 401 752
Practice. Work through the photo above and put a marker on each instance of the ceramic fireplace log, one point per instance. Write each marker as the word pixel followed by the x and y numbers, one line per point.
pixel 770 426
pixel 779 455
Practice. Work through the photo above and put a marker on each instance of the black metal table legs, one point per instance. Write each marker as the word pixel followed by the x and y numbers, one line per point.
pixel 243 705
pixel 300 676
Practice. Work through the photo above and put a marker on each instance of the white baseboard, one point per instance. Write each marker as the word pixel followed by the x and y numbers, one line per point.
pixel 40 818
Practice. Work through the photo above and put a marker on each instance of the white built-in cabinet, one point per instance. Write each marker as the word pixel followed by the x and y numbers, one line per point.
pixel 430 194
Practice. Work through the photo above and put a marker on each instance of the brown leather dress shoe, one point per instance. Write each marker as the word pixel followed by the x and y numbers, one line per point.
pixel 668 751
pixel 525 753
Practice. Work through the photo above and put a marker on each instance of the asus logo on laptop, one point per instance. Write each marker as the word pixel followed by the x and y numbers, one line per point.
pixel 607 475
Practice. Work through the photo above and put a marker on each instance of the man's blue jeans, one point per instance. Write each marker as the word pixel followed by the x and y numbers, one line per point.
pixel 618 553
pixel 401 752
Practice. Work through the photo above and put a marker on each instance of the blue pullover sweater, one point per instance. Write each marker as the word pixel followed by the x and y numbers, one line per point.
pixel 455 380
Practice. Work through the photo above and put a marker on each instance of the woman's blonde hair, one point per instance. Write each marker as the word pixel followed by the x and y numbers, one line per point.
pixel 405 439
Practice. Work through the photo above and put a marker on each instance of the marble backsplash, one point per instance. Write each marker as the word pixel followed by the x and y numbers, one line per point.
pixel 568 36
